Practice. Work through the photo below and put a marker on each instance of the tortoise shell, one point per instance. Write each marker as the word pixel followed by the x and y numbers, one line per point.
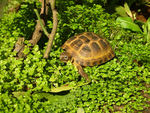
pixel 88 49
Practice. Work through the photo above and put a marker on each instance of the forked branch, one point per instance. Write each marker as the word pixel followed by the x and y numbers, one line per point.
pixel 54 29
pixel 40 27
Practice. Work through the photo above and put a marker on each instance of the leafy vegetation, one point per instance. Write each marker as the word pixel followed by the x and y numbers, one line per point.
pixel 25 84
pixel 130 22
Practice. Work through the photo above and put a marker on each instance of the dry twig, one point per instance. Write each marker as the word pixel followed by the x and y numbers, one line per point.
pixel 37 32
pixel 40 27
pixel 53 32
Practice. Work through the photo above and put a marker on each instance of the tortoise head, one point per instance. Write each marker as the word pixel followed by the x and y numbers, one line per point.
pixel 65 57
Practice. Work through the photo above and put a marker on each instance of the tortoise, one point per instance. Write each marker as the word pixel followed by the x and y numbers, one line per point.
pixel 86 49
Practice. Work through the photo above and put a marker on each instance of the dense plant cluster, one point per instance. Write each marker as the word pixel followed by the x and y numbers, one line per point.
pixel 25 84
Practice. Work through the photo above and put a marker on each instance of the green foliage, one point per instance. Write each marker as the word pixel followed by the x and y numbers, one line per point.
pixel 77 19
pixel 127 23
pixel 131 23
pixel 147 30
pixel 80 110
pixel 25 84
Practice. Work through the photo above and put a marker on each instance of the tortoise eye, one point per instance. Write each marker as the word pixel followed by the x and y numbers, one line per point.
pixel 66 57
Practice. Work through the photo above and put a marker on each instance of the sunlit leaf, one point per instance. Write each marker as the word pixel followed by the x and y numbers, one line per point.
pixel 127 23
pixel 121 11
pixel 127 9
pixel 147 30
pixel 80 110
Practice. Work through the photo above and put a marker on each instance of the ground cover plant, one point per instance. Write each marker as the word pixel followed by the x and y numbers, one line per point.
pixel 120 85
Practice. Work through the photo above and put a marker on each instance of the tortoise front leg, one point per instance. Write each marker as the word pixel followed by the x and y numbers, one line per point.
pixel 80 71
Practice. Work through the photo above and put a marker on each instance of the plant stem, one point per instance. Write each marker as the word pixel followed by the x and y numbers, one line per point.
pixel 38 16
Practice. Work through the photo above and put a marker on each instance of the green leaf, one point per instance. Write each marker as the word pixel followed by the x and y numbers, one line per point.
pixel 148 34
pixel 147 30
pixel 127 23
pixel 80 110
pixel 67 87
pixel 20 93
pixel 121 11
pixel 127 9
pixel 60 89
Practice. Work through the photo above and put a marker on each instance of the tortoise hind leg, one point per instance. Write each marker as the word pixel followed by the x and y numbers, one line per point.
pixel 81 72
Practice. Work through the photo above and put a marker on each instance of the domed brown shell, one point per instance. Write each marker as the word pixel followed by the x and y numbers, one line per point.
pixel 88 49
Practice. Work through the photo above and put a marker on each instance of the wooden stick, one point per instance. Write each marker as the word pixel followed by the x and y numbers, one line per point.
pixel 54 29
pixel 38 29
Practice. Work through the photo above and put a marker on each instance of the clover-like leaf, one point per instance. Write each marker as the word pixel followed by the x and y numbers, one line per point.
pixel 80 110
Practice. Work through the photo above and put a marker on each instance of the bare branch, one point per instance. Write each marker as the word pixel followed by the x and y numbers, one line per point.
pixel 37 32
pixel 53 32
pixel 38 29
